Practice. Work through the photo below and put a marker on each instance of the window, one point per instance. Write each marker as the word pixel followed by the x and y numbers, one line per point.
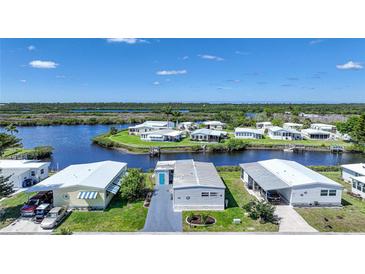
pixel 32 173
pixel 42 171
pixel 332 192
pixel 324 192
pixel 187 197
pixel 213 194
pixel 205 194
pixel 354 184
pixel 65 196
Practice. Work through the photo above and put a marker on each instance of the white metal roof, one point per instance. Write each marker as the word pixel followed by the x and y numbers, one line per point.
pixel 252 130
pixel 358 168
pixel 276 128
pixel 295 174
pixel 319 125
pixel 166 132
pixel 153 124
pixel 206 131
pixel 292 124
pixel 22 164
pixel 213 123
pixel 188 173
pixel 314 131
pixel 263 123
pixel 98 175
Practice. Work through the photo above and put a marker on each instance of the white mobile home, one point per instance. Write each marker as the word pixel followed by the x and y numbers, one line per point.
pixel 324 127
pixel 315 134
pixel 296 184
pixel 358 186
pixel 208 135
pixel 278 133
pixel 294 126
pixel 149 126
pixel 24 173
pixel 352 170
pixel 263 125
pixel 163 135
pixel 86 186
pixel 195 185
pixel 214 125
pixel 248 133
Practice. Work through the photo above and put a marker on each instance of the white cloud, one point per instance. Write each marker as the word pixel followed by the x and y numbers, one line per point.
pixel 185 58
pixel 156 83
pixel 171 72
pixel 242 52
pixel 350 65
pixel 210 57
pixel 31 47
pixel 43 64
pixel 314 42
pixel 130 41
pixel 23 80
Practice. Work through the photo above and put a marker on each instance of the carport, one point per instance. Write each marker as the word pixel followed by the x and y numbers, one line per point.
pixel 261 181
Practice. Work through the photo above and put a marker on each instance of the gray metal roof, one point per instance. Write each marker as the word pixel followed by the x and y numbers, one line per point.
pixel 189 173
pixel 263 177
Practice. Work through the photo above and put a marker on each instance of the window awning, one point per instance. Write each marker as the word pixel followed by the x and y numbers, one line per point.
pixel 113 188
pixel 87 195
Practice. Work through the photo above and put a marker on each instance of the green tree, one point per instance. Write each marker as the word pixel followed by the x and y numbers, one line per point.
pixel 12 129
pixel 133 185
pixel 6 187
pixel 358 133
pixel 167 110
pixel 176 115
pixel 307 123
pixel 8 141
pixel 113 131
pixel 277 122
pixel 349 125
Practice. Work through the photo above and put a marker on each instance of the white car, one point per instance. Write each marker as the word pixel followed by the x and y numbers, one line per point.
pixel 54 217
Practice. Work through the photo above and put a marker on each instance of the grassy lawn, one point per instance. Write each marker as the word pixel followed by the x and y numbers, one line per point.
pixel 349 218
pixel 11 207
pixel 134 140
pixel 237 196
pixel 118 217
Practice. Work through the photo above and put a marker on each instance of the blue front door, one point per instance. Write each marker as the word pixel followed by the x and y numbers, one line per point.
pixel 161 177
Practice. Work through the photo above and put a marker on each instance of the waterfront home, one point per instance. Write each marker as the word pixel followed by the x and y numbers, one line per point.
pixel 194 185
pixel 187 126
pixel 279 133
pixel 296 184
pixel 248 133
pixel 163 135
pixel 214 125
pixel 314 134
pixel 294 126
pixel 208 135
pixel 84 186
pixel 149 126
pixel 358 186
pixel 263 125
pixel 324 127
pixel 350 171
pixel 24 173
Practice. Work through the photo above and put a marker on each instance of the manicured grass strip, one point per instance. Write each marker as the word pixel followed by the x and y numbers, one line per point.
pixel 237 196
pixel 11 208
pixel 349 218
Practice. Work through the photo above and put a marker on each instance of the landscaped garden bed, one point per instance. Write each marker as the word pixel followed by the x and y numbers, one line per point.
pixel 200 220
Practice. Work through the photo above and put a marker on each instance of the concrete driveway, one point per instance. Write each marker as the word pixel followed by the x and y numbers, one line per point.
pixel 24 225
pixel 291 221
pixel 161 216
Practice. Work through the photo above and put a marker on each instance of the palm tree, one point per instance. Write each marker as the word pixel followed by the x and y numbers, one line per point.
pixel 12 129
pixel 168 111
pixel 176 114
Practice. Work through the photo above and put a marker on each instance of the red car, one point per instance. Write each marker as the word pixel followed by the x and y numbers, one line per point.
pixel 29 208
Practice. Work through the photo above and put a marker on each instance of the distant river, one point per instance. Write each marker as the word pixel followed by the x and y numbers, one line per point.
pixel 72 145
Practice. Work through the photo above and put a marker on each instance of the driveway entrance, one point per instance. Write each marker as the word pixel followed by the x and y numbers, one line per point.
pixel 25 225
pixel 161 216
pixel 291 221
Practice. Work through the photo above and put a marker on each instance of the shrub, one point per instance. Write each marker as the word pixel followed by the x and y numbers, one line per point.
pixel 325 168
pixel 65 231
pixel 261 210
pixel 236 145
pixel 228 168
pixel 133 186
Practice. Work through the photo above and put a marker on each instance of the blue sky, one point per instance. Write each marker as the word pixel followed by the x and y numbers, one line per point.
pixel 182 70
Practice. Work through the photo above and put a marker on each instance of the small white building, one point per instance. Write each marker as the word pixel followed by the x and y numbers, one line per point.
pixel 263 125
pixel 187 126
pixel 208 135
pixel 195 185
pixel 278 133
pixel 24 173
pixel 350 171
pixel 358 186
pixel 324 127
pixel 214 125
pixel 85 186
pixel 296 184
pixel 163 135
pixel 248 133
pixel 149 126
pixel 315 134
pixel 295 126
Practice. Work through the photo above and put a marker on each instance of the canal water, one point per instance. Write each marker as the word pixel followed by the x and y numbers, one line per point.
pixel 72 145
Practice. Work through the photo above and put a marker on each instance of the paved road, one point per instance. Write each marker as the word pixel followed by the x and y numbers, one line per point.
pixel 161 216
pixel 291 221
pixel 24 225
